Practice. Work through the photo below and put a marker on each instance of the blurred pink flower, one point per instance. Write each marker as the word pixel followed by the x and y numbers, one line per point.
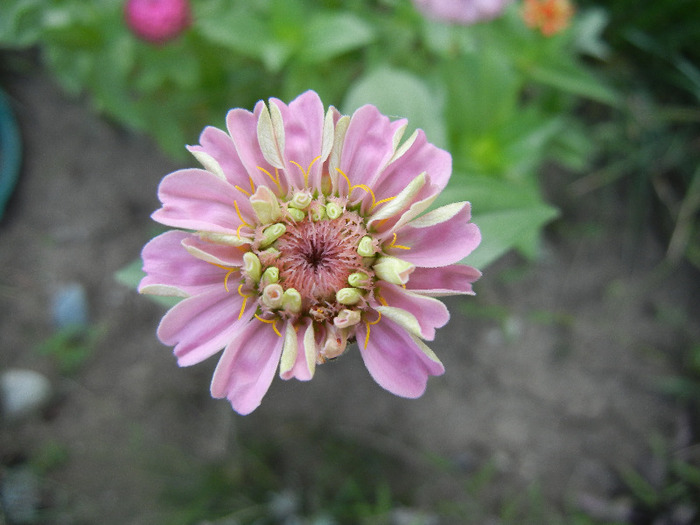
pixel 306 230
pixel 461 11
pixel 157 21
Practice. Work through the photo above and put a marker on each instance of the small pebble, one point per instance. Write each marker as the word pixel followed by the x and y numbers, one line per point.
pixel 22 393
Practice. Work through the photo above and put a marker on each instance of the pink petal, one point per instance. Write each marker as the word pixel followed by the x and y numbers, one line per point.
pixel 303 134
pixel 166 262
pixel 421 157
pixel 454 279
pixel 368 146
pixel 219 145
pixel 201 325
pixel 247 366
pixel 439 244
pixel 301 370
pixel 430 313
pixel 227 255
pixel 243 127
pixel 196 199
pixel 394 359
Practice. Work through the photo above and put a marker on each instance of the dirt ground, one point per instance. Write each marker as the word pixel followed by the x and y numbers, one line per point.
pixel 552 370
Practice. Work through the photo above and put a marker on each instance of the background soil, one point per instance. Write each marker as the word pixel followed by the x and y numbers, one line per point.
pixel 552 370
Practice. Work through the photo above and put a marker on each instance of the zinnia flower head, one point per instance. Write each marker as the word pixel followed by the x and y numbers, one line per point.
pixel 549 16
pixel 157 21
pixel 463 12
pixel 305 231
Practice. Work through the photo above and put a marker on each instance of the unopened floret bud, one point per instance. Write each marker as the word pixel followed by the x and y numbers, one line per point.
pixel 272 296
pixel 348 296
pixel 366 246
pixel 291 301
pixel 272 233
pixel 251 266
pixel 300 200
pixel 333 211
pixel 270 275
pixel 358 279
pixel 346 318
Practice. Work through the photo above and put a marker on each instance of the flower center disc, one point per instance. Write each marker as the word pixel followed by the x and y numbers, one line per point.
pixel 318 256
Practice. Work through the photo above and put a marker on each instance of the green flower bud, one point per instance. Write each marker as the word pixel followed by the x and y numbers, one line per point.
pixel 366 247
pixel 358 279
pixel 297 215
pixel 291 301
pixel 251 266
pixel 318 213
pixel 272 296
pixel 348 296
pixel 300 200
pixel 270 275
pixel 333 211
pixel 272 233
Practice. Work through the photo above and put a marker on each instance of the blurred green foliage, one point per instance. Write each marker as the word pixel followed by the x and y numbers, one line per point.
pixel 648 143
pixel 499 96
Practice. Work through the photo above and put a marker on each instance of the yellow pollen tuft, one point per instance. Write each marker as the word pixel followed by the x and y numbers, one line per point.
pixel 269 321
pixel 368 324
pixel 306 171
pixel 276 179
pixel 245 299
pixel 351 187
pixel 243 223
pixel 399 246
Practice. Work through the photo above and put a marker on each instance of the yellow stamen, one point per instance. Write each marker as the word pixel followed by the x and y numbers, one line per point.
pixel 242 190
pixel 351 187
pixel 306 171
pixel 383 201
pixel 367 323
pixel 245 299
pixel 252 186
pixel 228 274
pixel 269 321
pixel 399 246
pixel 273 179
pixel 238 211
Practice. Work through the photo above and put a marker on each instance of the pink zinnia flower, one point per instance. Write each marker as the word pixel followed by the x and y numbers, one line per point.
pixel 461 11
pixel 306 230
pixel 157 21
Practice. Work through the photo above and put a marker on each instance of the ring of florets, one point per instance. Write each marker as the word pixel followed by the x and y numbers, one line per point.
pixel 310 260
pixel 310 257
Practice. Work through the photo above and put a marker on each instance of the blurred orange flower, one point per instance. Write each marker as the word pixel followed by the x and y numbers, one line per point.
pixel 549 16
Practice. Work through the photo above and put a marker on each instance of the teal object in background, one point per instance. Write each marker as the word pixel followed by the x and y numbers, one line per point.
pixel 10 152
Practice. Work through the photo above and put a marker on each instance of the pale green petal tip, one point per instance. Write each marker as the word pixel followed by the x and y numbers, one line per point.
pixel 252 266
pixel 393 270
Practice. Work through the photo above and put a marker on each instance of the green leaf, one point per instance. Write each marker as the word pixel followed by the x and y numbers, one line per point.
pixel 509 214
pixel 504 230
pixel 236 28
pixel 329 35
pixel 483 90
pixel 131 275
pixel 400 94
pixel 20 22
pixel 573 79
